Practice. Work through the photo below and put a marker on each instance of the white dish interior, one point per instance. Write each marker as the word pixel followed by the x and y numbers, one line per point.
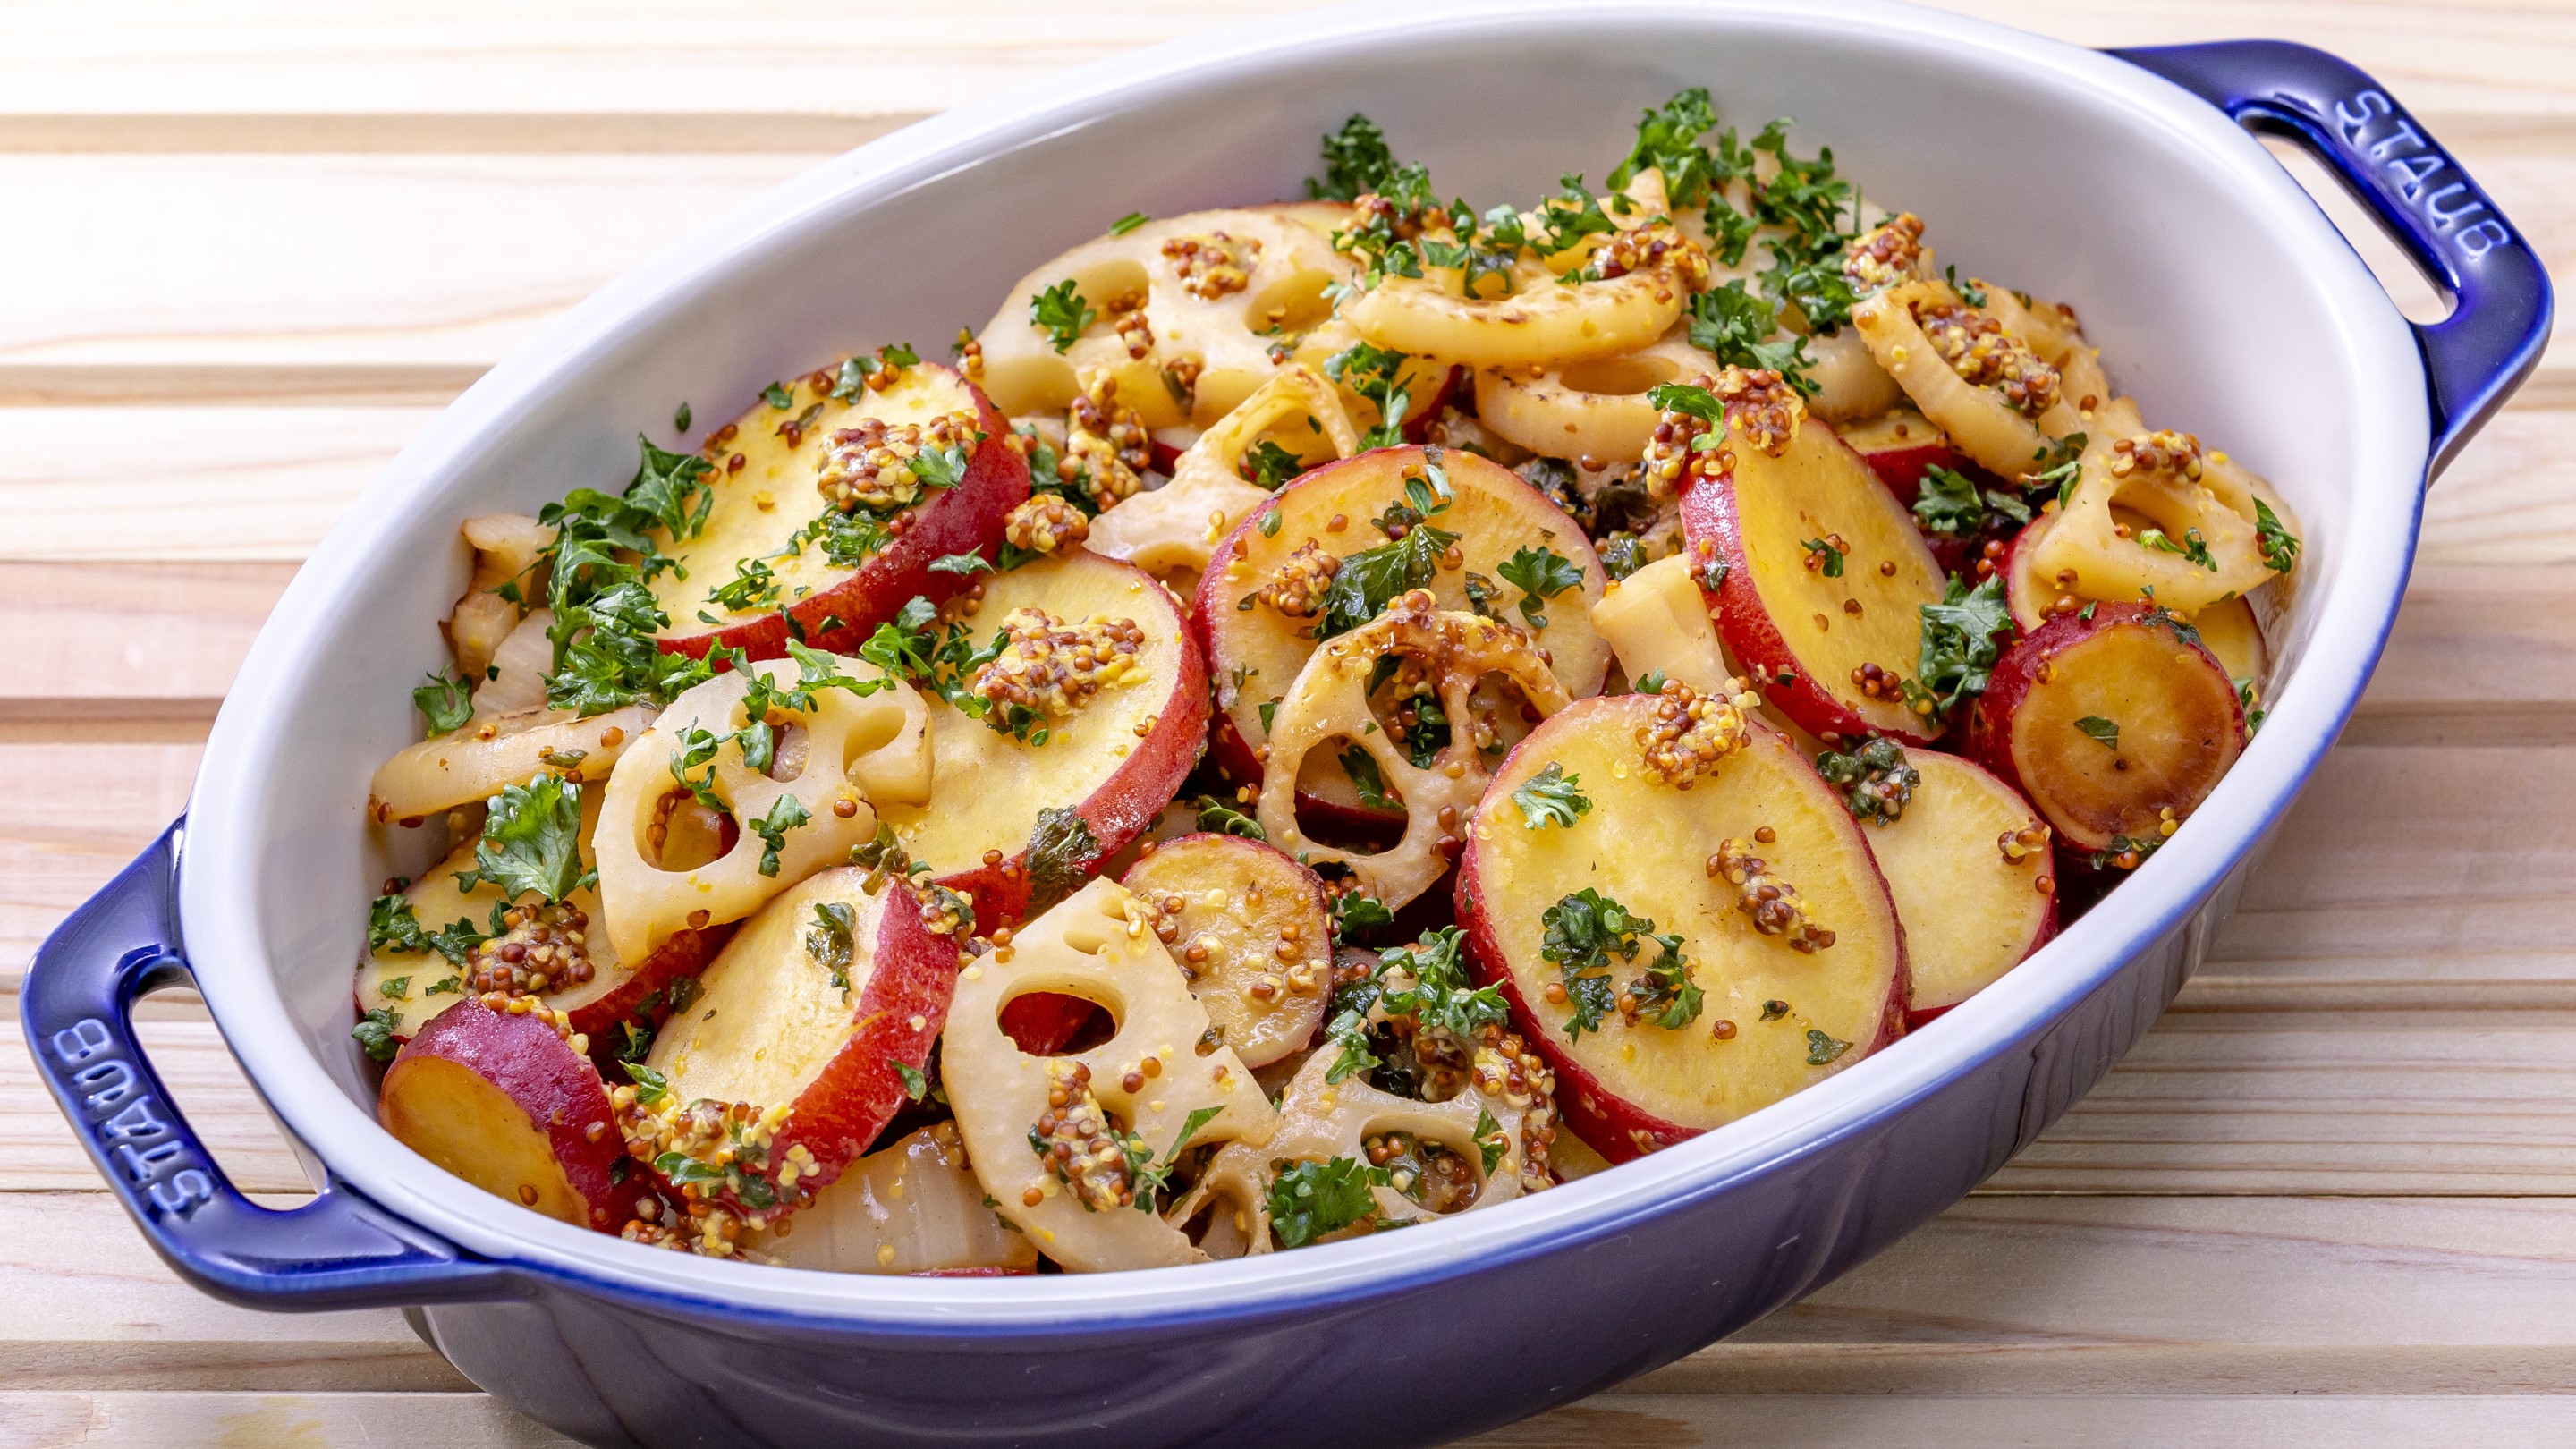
pixel 2219 294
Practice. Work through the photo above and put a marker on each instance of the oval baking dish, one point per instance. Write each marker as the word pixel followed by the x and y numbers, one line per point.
pixel 2127 181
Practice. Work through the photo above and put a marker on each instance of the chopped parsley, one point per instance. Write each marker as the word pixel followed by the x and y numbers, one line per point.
pixel 2097 728
pixel 1128 223
pixel 2280 546
pixel 375 1033
pixel 1062 313
pixel 1733 324
pixel 1309 1200
pixel 680 419
pixel 1215 815
pixel 1959 647
pixel 1356 159
pixel 650 1086
pixel 1373 578
pixel 1540 573
pixel 1823 1050
pixel 785 814
pixel 831 941
pixel 1376 374
pixel 1873 778
pixel 391 926
pixel 1368 779
pixel 752 587
pixel 1491 1144
pixel 1552 797
pixel 2057 468
pixel 2193 548
pixel 446 703
pixel 1583 931
pixel 1268 465
pixel 1354 912
pixel 1059 858
pixel 778 396
pixel 915 1085
pixel 1951 505
pixel 531 842
pixel 1829 558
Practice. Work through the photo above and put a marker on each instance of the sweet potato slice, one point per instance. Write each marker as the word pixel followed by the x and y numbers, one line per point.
pixel 504 1101
pixel 914 1207
pixel 1790 987
pixel 1819 573
pixel 1899 445
pixel 2115 720
pixel 795 1053
pixel 765 556
pixel 1016 819
pixel 1253 932
pixel 1968 864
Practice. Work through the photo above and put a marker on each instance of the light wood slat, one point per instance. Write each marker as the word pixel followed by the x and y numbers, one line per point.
pixel 94 1307
pixel 2109 1421
pixel 38 1152
pixel 435 265
pixel 454 1421
pixel 169 58
pixel 2029 1296
pixel 296 288
pixel 262 484
pixel 92 643
pixel 81 812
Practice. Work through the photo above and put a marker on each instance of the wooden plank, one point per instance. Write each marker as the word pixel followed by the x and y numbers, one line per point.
pixel 2030 1296
pixel 429 265
pixel 597 58
pixel 102 803
pixel 93 1307
pixel 2108 1421
pixel 94 643
pixel 38 1152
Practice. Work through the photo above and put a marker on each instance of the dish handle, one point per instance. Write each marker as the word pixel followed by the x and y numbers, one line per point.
pixel 336 1251
pixel 2477 356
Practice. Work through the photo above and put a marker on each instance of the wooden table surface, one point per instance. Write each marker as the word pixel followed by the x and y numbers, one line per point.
pixel 251 248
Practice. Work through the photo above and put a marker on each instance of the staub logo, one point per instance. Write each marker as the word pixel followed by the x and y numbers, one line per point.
pixel 131 1126
pixel 2425 177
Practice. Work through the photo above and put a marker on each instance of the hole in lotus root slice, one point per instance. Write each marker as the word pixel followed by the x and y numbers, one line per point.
pixel 1330 699
pixel 1153 1083
pixel 644 903
pixel 1320 1119
pixel 1171 531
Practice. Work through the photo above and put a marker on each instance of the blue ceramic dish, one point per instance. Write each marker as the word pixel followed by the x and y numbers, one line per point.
pixel 2125 182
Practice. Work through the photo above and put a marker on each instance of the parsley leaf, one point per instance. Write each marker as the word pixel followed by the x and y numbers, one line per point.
pixel 1355 912
pixel 961 563
pixel 1582 932
pixel 1439 996
pixel 1312 1199
pixel 1376 374
pixel 1356 159
pixel 1128 223
pixel 1822 1050
pixel 915 1085
pixel 1668 140
pixel 1552 797
pixel 785 814
pixel 1951 505
pixel 1214 814
pixel 391 926
pixel 680 419
pixel 2193 548
pixel 2096 727
pixel 445 702
pixel 1539 573
pixel 1062 313
pixel 1733 324
pixel 2280 546
pixel 1831 564
pixel 1372 578
pixel 531 842
pixel 1491 1144
pixel 375 1033
pixel 832 939
pixel 1060 855
pixel 1368 779
pixel 1959 647
pixel 1268 465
